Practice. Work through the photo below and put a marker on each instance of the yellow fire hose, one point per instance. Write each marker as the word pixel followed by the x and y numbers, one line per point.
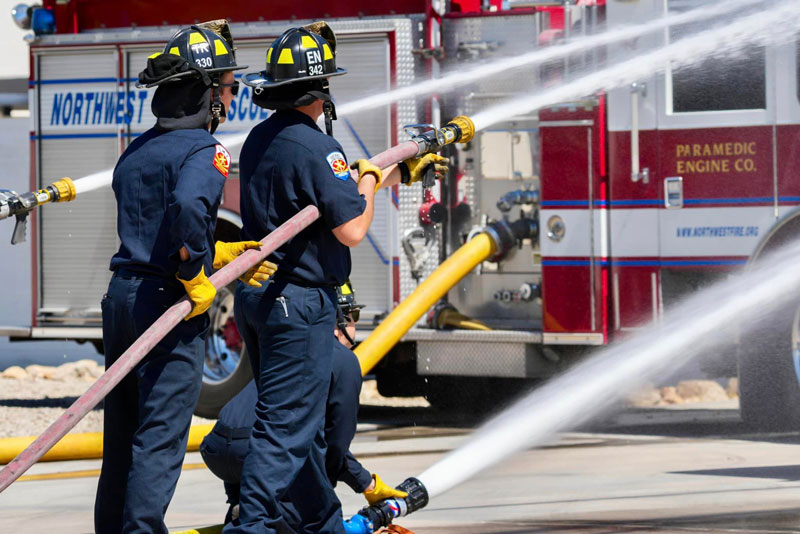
pixel 82 446
pixel 453 269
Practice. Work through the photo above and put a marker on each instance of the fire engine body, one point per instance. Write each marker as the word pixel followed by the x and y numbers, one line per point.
pixel 641 194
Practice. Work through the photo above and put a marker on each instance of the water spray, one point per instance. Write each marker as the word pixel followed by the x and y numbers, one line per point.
pixel 458 79
pixel 775 25
pixel 379 515
pixel 461 77
pixel 20 206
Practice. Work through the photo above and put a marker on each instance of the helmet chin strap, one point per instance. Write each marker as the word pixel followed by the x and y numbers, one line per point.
pixel 330 115
pixel 217 108
pixel 329 109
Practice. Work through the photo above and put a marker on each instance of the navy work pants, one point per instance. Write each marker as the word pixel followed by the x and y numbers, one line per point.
pixel 224 449
pixel 288 331
pixel 147 415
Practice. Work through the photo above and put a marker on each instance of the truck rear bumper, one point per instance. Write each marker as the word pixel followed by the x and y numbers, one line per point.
pixel 21 333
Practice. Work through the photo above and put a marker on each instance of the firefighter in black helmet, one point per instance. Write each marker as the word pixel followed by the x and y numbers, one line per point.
pixel 168 185
pixel 286 164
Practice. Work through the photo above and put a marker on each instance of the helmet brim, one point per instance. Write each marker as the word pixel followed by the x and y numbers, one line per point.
pixel 260 78
pixel 188 73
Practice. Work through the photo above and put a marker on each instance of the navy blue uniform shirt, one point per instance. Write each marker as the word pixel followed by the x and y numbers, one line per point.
pixel 168 186
pixel 286 164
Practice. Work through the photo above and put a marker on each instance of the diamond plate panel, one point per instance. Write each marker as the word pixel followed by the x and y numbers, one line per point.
pixel 498 354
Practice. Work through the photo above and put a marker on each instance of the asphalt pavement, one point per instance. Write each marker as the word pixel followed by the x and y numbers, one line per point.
pixel 643 470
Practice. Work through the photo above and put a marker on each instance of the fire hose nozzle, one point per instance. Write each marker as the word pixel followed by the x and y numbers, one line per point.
pixel 11 203
pixel 66 190
pixel 460 129
pixel 371 518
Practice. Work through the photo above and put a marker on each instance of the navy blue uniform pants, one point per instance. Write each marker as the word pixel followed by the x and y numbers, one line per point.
pixel 147 416
pixel 224 449
pixel 288 333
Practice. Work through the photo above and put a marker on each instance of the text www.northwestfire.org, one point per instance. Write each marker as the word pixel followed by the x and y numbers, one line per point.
pixel 717 231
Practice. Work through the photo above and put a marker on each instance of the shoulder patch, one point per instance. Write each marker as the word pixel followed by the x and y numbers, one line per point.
pixel 222 160
pixel 338 165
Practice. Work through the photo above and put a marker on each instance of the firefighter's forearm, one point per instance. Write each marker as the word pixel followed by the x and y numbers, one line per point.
pixel 391 176
pixel 353 231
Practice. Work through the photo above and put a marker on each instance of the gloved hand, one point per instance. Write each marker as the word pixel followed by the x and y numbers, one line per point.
pixel 201 291
pixel 224 253
pixel 381 491
pixel 260 273
pixel 413 169
pixel 363 166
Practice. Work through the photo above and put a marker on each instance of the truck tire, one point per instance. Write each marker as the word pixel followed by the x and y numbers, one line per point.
pixel 226 370
pixel 769 385
pixel 769 379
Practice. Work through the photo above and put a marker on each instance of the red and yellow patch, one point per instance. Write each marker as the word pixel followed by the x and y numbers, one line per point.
pixel 338 165
pixel 222 160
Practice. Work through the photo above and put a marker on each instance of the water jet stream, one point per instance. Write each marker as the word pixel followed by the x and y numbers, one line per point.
pixel 773 26
pixel 477 73
pixel 539 56
pixel 591 387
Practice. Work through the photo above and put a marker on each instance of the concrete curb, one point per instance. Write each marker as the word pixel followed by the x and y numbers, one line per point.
pixel 83 446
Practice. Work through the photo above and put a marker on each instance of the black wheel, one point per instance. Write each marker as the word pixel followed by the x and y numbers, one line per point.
pixel 226 369
pixel 769 387
pixel 769 352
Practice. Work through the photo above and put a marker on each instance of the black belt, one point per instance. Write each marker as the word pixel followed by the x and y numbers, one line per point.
pixel 297 281
pixel 231 433
pixel 128 273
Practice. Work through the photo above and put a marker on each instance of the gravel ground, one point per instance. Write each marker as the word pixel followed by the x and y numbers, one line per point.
pixel 37 395
pixel 29 405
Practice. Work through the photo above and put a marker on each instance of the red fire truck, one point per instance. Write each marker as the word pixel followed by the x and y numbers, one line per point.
pixel 642 194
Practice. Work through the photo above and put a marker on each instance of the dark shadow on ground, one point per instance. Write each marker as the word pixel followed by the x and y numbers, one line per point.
pixel 50 402
pixel 767 522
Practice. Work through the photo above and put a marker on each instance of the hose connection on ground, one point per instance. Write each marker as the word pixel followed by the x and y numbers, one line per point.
pixel 371 518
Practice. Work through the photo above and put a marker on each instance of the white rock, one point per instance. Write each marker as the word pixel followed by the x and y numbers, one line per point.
pixel 733 388
pixel 15 371
pixel 701 391
pixel 669 395
pixel 41 371
pixel 645 396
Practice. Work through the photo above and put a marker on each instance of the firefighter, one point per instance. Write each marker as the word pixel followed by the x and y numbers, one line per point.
pixel 225 447
pixel 168 184
pixel 286 164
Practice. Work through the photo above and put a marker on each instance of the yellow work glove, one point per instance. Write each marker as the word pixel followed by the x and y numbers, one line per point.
pixel 381 491
pixel 413 169
pixel 224 253
pixel 201 292
pixel 363 166
pixel 260 273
